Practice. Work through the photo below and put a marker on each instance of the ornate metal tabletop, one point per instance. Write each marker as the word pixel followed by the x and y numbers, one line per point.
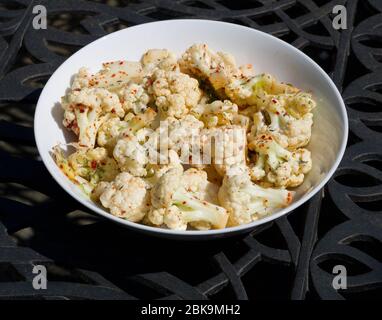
pixel 90 258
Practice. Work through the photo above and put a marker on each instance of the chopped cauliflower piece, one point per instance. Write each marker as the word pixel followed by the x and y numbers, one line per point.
pixel 131 155
pixel 126 197
pixel 283 168
pixel 115 128
pixel 217 68
pixel 116 74
pixel 87 167
pixel 226 146
pixel 178 207
pixel 174 92
pixel 254 90
pixel 86 110
pixel 159 59
pixel 246 201
pixel 135 98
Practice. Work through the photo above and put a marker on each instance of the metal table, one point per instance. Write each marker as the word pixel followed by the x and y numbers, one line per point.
pixel 90 258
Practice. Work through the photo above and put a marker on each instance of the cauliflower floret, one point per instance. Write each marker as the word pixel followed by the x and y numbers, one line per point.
pixel 159 59
pixel 174 92
pixel 247 202
pixel 179 135
pixel 131 155
pixel 254 90
pixel 135 98
pixel 196 182
pixel 86 110
pixel 220 113
pixel 156 170
pixel 283 168
pixel 126 197
pixel 81 79
pixel 114 128
pixel 87 167
pixel 178 207
pixel 115 75
pixel 225 146
pixel 217 68
pixel 288 131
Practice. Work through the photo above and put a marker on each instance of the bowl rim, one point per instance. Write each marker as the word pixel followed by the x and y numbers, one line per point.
pixel 57 174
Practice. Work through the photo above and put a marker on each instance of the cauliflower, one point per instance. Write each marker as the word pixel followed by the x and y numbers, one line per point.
pixel 86 110
pixel 225 146
pixel 281 167
pixel 197 142
pixel 246 201
pixel 176 207
pixel 290 132
pixel 81 80
pixel 87 167
pixel 159 59
pixel 217 68
pixel 135 98
pixel 254 90
pixel 114 128
pixel 174 93
pixel 179 135
pixel 155 170
pixel 115 75
pixel 126 197
pixel 131 155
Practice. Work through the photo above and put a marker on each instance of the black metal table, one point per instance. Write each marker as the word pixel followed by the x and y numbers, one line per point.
pixel 90 258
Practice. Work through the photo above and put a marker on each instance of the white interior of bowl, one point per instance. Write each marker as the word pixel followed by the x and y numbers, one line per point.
pixel 266 53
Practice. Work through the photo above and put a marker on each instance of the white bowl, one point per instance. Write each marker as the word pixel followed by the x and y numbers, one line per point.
pixel 265 52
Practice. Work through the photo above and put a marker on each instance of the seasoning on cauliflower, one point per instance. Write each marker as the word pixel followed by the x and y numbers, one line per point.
pixel 275 119
pixel 87 167
pixel 86 110
pixel 115 75
pixel 254 90
pixel 217 68
pixel 135 98
pixel 180 135
pixel 114 128
pixel 226 146
pixel 282 168
pixel 176 207
pixel 131 155
pixel 174 92
pixel 246 201
pixel 220 113
pixel 159 59
pixel 126 197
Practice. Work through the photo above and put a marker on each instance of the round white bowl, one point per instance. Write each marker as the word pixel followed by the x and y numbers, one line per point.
pixel 265 52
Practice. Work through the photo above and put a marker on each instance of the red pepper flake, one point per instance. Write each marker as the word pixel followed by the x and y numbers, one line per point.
pixel 121 63
pixel 184 202
pixel 93 164
pixel 274 100
pixel 278 113
pixel 113 110
pixel 113 75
